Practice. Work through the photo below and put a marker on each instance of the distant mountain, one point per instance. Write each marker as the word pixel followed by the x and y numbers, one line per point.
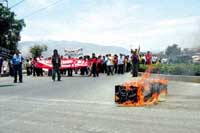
pixel 88 48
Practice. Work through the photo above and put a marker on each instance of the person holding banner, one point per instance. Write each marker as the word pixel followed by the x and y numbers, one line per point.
pixel 70 69
pixel 94 65
pixel 56 63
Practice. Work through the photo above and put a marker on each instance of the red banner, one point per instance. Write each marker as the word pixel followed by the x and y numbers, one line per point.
pixel 65 63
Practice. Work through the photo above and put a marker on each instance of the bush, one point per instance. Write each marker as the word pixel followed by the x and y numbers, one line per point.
pixel 175 69
pixel 142 68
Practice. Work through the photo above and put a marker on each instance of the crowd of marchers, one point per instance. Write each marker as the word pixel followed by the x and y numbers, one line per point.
pixel 108 64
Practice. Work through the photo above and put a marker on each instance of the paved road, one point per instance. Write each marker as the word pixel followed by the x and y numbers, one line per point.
pixel 85 104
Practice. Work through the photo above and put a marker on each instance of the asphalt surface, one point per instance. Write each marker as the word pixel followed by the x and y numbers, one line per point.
pixel 86 104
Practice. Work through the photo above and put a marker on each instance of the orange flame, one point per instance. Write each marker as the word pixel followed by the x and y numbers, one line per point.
pixel 144 84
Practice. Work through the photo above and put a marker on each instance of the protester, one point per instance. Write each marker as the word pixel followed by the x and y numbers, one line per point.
pixel 154 59
pixel 148 57
pixel 28 67
pixel 104 66
pixel 121 64
pixel 128 66
pixel 135 62
pixel 109 65
pixel 115 63
pixel 69 70
pixel 40 70
pixel 142 59
pixel 94 66
pixel 34 66
pixel 63 71
pixel 84 70
pixel 56 63
pixel 99 65
pixel 17 61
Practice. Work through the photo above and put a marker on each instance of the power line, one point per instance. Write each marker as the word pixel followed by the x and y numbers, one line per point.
pixel 17 4
pixel 42 9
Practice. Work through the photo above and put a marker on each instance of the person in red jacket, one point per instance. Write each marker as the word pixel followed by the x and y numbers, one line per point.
pixel 99 65
pixel 148 57
pixel 94 65
pixel 115 63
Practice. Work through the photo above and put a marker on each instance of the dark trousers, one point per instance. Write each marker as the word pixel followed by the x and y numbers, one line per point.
pixel 70 70
pixel 115 68
pixel 40 72
pixel 94 70
pixel 28 71
pixel 36 71
pixel 121 69
pixel 135 69
pixel 18 71
pixel 109 70
pixel 54 71
pixel 104 68
pixel 84 71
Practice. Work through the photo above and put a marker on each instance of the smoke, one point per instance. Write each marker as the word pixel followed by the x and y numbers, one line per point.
pixel 196 37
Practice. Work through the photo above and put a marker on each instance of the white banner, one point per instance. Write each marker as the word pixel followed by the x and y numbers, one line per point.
pixel 74 52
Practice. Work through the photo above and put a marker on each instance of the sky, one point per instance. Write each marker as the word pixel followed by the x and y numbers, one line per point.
pixel 152 24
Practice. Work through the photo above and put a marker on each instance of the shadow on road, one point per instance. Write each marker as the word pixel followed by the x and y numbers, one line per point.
pixel 7 85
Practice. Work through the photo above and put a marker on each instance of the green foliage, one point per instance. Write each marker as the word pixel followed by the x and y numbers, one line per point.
pixel 142 67
pixel 10 28
pixel 177 69
pixel 37 50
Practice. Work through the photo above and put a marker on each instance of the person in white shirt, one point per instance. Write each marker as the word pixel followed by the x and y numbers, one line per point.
pixel 109 65
pixel 121 64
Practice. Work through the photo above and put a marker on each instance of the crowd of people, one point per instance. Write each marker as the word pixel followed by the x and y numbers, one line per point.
pixel 108 64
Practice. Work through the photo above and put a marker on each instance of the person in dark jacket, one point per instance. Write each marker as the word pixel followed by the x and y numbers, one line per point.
pixel 135 62
pixel 56 63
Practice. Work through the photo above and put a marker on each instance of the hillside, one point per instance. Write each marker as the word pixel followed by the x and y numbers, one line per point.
pixel 88 48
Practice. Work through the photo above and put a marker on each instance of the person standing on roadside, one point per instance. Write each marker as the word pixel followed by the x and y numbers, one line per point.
pixel 1 64
pixel 135 62
pixel 148 57
pixel 17 61
pixel 121 65
pixel 99 65
pixel 56 63
pixel 94 65
pixel 70 69
pixel 109 65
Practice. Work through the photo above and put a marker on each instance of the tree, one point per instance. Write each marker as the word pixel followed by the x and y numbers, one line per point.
pixel 173 50
pixel 10 28
pixel 37 50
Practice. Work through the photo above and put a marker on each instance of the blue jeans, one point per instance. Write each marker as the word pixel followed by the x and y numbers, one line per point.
pixel 18 71
pixel 54 71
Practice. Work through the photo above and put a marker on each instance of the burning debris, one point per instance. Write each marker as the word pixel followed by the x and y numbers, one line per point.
pixel 146 91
